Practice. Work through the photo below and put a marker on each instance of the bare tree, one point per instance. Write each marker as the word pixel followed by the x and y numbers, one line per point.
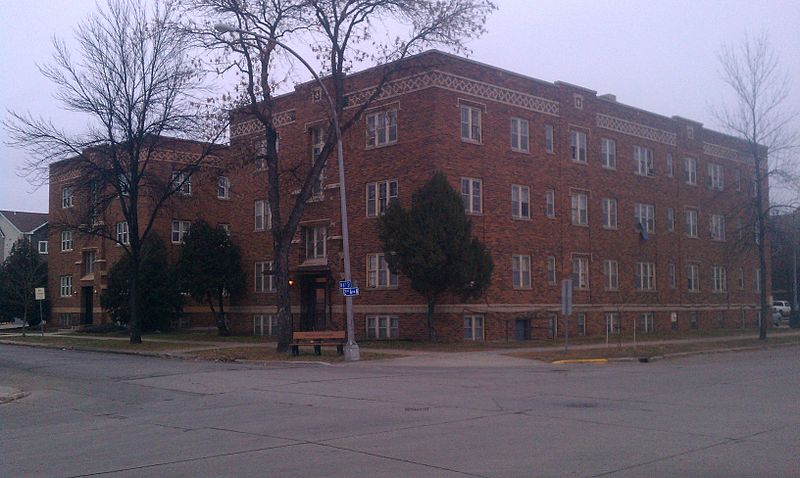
pixel 758 115
pixel 340 32
pixel 135 83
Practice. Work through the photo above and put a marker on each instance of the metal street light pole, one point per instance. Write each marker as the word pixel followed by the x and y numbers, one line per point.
pixel 351 351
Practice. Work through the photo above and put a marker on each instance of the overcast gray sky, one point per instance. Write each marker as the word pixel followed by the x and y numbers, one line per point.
pixel 655 55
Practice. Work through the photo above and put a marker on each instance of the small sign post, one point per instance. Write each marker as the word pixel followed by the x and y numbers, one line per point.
pixel 566 308
pixel 40 295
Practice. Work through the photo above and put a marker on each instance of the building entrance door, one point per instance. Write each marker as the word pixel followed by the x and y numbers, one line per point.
pixel 522 329
pixel 314 300
pixel 87 294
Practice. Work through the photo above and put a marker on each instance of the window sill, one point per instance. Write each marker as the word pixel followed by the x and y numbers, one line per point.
pixel 578 161
pixel 579 225
pixel 609 228
pixel 523 288
pixel 392 287
pixel 520 218
pixel 521 151
pixel 468 213
pixel 379 146
pixel 472 141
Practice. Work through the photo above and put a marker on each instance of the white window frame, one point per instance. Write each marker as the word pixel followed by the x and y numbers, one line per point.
pixel 520 135
pixel 670 219
pixel 379 196
pixel 89 258
pixel 263 282
pixel 580 272
pixel 65 286
pixel 182 183
pixel 123 233
pixel 758 280
pixel 550 203
pixel 472 195
pixel 66 240
pixel 262 215
pixel 608 153
pixel 577 146
pixel 265 325
pixel 42 250
pixel 717 227
pixel 67 197
pixel 611 275
pixel 647 324
pixel 179 231
pixel 549 138
pixel 691 222
pixel 719 279
pixel 693 277
pixel 645 277
pixel 741 278
pixel 520 202
pixel 645 214
pixel 552 277
pixel 474 327
pixel 382 327
pixel 690 171
pixel 612 323
pixel 580 323
pixel 223 187
pixel 644 161
pixel 670 166
pixel 378 274
pixel 609 213
pixel 716 176
pixel 381 128
pixel 673 276
pixel 579 208
pixel 317 145
pixel 521 271
pixel 470 123
pixel 316 238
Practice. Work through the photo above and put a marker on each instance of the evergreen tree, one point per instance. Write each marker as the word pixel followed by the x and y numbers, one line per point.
pixel 21 272
pixel 432 245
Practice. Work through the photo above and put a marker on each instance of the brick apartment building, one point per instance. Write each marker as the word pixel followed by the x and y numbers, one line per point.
pixel 647 213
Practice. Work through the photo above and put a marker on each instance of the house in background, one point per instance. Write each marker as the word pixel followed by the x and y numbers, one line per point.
pixel 15 225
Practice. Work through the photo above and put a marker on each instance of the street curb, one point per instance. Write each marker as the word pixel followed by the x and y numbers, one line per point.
pixel 144 353
pixel 655 358
pixel 569 361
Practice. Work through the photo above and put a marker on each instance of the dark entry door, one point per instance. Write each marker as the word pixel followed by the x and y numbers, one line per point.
pixel 86 297
pixel 313 303
pixel 522 329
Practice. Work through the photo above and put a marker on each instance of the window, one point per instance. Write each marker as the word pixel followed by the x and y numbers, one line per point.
pixel 225 227
pixel 262 215
pixel 670 166
pixel 691 223
pixel 612 323
pixel 646 217
pixel 550 203
pixel 473 327
pixel 690 132
pixel 316 242
pixel 521 271
pixel 690 170
pixel 317 145
pixel 123 233
pixel 472 195
pixel 65 289
pixel 42 247
pixel 383 327
pixel 645 276
pixel 66 240
pixel 741 278
pixel 179 231
pixel 717 227
pixel 643 160
pixel 646 319
pixel 379 195
pixel 264 280
pixel 608 153
pixel 580 273
pixel 580 209
pixel 716 178
pixel 548 138
pixel 673 279
pixel 580 322
pixel 758 280
pixel 673 320
pixel 670 219
pixel 470 124
pixel 551 270
pixel 67 197
pixel 520 202
pixel 693 320
pixel 223 187
pixel 378 273
pixel 609 213
pixel 719 279
pixel 94 201
pixel 611 275
pixel 88 262
pixel 182 183
pixel 692 277
pixel 552 325
pixel 382 128
pixel 64 320
pixel 265 325
pixel 577 146
pixel 519 135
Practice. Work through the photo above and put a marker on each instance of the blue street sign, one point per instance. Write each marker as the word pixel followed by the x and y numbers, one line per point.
pixel 345 284
pixel 350 292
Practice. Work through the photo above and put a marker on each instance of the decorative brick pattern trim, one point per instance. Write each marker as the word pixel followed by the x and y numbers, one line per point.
pixel 718 151
pixel 636 129
pixel 281 118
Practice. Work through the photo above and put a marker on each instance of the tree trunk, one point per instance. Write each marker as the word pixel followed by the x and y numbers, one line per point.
pixel 222 324
pixel 135 323
pixel 281 275
pixel 24 317
pixel 429 315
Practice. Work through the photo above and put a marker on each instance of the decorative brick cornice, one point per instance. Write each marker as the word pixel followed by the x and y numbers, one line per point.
pixel 281 118
pixel 459 84
pixel 718 151
pixel 636 129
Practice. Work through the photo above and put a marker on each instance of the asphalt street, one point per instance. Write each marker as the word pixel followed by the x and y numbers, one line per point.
pixel 96 414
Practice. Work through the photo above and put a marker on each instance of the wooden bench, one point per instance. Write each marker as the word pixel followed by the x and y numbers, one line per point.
pixel 318 340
